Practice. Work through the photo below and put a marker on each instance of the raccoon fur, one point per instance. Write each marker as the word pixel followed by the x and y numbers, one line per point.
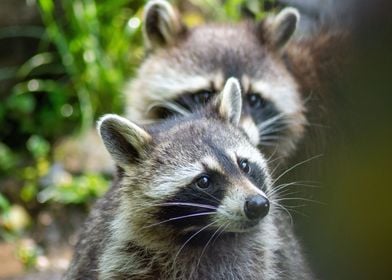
pixel 280 78
pixel 193 200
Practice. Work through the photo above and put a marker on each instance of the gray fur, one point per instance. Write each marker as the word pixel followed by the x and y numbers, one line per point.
pixel 281 27
pixel 231 101
pixel 122 240
pixel 203 57
pixel 162 25
pixel 124 140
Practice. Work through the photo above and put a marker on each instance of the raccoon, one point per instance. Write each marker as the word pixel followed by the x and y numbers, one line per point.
pixel 193 200
pixel 185 67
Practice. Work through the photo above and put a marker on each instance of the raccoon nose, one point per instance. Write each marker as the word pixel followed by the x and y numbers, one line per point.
pixel 256 207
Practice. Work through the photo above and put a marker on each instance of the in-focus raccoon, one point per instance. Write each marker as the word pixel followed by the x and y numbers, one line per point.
pixel 279 77
pixel 193 200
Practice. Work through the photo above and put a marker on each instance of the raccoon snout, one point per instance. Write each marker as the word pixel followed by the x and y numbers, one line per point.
pixel 256 207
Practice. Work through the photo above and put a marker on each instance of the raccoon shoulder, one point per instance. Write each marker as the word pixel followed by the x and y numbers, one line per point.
pixel 93 236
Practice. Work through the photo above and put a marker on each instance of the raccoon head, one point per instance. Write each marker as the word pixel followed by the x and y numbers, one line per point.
pixel 189 177
pixel 186 67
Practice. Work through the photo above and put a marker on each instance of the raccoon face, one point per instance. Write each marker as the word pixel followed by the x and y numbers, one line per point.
pixel 190 177
pixel 186 68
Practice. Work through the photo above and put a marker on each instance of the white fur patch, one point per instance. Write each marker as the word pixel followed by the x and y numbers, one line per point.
pixel 169 22
pixel 250 128
pixel 169 182
pixel 283 94
pixel 212 164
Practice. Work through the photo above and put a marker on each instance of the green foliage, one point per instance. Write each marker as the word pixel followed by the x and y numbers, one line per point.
pixel 93 43
pixel 28 253
pixel 76 190
pixel 86 51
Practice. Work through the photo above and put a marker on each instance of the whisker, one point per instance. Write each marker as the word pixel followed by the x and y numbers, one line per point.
pixel 210 195
pixel 291 208
pixel 295 166
pixel 270 138
pixel 179 218
pixel 187 204
pixel 174 106
pixel 204 249
pixel 284 209
pixel 308 98
pixel 268 121
pixel 190 238
pixel 276 189
pixel 222 231
pixel 301 199
pixel 212 200
pixel 284 193
pixel 275 169
pixel 265 143
pixel 273 127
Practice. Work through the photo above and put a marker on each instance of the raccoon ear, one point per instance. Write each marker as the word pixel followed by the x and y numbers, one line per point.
pixel 280 28
pixel 162 24
pixel 230 101
pixel 125 141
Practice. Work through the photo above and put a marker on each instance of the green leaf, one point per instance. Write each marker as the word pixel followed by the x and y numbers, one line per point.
pixel 4 204
pixel 38 146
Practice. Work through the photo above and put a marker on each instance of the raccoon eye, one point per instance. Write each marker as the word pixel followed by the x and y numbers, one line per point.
pixel 255 100
pixel 244 165
pixel 203 96
pixel 203 182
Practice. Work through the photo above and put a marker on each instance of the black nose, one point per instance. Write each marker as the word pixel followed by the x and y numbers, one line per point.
pixel 256 207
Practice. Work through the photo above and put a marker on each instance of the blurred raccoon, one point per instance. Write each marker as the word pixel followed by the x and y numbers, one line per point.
pixel 193 200
pixel 280 78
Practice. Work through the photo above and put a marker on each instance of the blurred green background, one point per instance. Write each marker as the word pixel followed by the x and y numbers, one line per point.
pixel 64 63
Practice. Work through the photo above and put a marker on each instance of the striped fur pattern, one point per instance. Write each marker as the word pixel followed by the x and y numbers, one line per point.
pixel 185 67
pixel 161 219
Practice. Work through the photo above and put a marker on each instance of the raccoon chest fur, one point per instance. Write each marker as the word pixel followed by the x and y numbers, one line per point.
pixel 230 256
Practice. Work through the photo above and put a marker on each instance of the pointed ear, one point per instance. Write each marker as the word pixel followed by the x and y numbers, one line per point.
pixel 162 24
pixel 280 28
pixel 125 141
pixel 229 101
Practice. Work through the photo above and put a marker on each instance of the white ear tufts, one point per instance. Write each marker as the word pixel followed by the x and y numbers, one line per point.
pixel 281 27
pixel 288 12
pixel 124 140
pixel 123 124
pixel 161 25
pixel 231 101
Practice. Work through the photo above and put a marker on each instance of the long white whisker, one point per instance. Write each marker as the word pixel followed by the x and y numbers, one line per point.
pixel 300 199
pixel 268 121
pixel 273 127
pixel 276 189
pixel 181 217
pixel 187 204
pixel 295 166
pixel 284 209
pixel 204 249
pixel 171 106
pixel 210 195
pixel 264 143
pixel 212 199
pixel 190 238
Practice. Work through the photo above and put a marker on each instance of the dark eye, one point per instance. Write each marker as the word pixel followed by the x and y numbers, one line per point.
pixel 203 96
pixel 203 182
pixel 255 100
pixel 244 165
